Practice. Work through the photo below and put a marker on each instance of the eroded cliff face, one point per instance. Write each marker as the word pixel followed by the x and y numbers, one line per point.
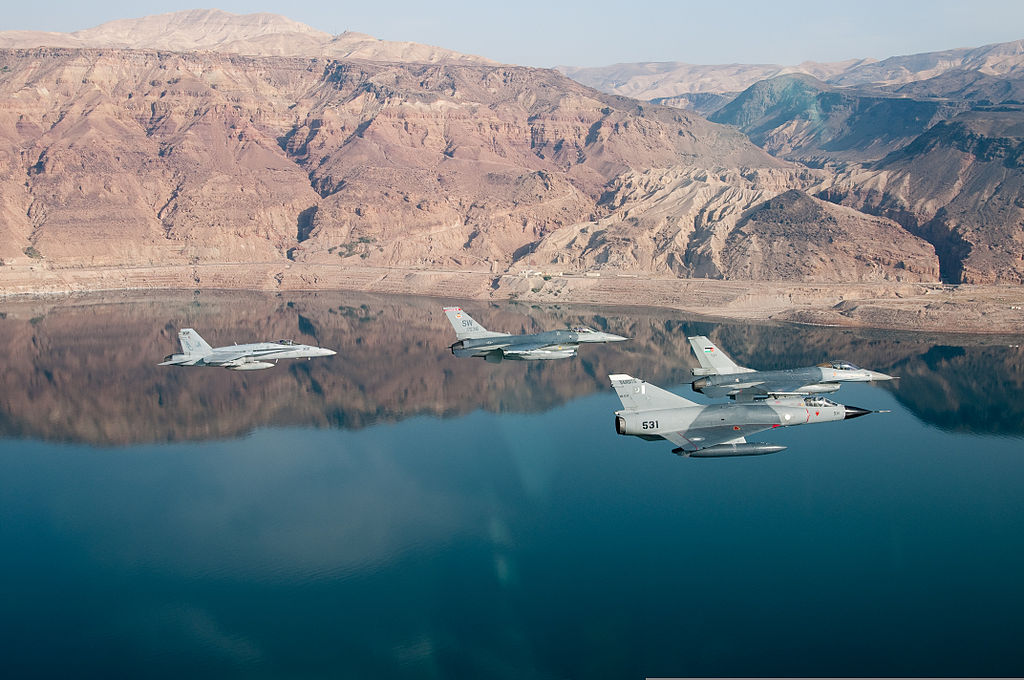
pixel 795 237
pixel 126 157
pixel 737 224
pixel 132 158
pixel 961 186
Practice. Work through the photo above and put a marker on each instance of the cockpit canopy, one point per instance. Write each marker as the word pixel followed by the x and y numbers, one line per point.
pixel 818 402
pixel 839 365
pixel 581 329
pixel 284 342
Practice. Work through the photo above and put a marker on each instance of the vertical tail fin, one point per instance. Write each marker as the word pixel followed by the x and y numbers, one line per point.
pixel 637 395
pixel 193 343
pixel 712 360
pixel 464 325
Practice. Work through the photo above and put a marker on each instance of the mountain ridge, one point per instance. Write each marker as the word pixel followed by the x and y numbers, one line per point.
pixel 135 158
pixel 258 34
pixel 663 80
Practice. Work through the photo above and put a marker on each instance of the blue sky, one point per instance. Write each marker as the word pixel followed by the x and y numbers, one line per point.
pixel 600 32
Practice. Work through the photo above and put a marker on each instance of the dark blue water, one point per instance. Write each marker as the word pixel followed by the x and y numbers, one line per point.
pixel 396 512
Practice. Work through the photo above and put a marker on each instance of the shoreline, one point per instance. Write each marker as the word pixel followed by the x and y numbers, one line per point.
pixel 888 305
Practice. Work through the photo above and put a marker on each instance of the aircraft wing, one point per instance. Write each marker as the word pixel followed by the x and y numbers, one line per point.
pixel 743 391
pixel 753 390
pixel 697 438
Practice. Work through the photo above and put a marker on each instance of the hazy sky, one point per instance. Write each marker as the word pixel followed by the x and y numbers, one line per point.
pixel 600 32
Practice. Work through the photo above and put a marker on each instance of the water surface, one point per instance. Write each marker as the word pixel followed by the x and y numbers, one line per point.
pixel 396 512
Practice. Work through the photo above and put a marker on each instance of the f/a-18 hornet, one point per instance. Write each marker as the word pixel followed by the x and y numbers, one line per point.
pixel 249 357
pixel 473 340
pixel 715 430
pixel 723 378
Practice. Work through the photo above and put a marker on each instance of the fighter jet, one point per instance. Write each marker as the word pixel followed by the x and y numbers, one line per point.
pixel 250 357
pixel 715 430
pixel 473 340
pixel 722 377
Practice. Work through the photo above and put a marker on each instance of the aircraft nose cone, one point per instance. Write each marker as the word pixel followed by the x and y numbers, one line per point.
pixel 855 412
pixel 327 352
pixel 875 375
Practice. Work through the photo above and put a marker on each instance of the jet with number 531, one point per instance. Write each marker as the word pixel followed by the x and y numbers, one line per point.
pixel 715 430
pixel 473 340
pixel 723 378
pixel 253 356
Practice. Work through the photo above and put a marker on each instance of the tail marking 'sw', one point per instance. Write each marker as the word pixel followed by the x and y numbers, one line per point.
pixel 465 326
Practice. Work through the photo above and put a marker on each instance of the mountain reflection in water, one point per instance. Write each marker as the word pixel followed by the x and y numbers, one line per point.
pixel 84 369
pixel 521 539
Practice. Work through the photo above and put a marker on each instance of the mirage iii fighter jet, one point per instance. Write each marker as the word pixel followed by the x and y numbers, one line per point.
pixel 473 340
pixel 250 357
pixel 723 378
pixel 714 430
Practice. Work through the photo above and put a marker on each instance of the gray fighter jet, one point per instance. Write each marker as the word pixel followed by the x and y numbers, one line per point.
pixel 473 340
pixel 714 430
pixel 250 357
pixel 723 378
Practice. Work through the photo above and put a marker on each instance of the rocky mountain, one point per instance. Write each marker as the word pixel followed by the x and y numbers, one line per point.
pixel 252 34
pixel 801 118
pixel 664 80
pixel 930 141
pixel 794 237
pixel 960 185
pixel 125 157
pixel 141 158
pixel 736 225
pixel 1004 60
pixel 667 81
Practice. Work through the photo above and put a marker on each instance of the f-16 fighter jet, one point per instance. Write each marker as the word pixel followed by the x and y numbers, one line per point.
pixel 723 378
pixel 250 357
pixel 714 430
pixel 476 341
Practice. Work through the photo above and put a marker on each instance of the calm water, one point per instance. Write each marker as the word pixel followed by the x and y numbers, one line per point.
pixel 396 512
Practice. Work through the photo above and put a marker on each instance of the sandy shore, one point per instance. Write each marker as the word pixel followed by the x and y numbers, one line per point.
pixel 907 306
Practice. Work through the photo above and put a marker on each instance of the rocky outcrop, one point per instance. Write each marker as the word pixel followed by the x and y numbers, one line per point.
pixel 795 237
pixel 800 118
pixel 731 224
pixel 960 186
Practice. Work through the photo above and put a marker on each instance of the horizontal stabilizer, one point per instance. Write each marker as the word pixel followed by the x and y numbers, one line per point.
pixel 637 395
